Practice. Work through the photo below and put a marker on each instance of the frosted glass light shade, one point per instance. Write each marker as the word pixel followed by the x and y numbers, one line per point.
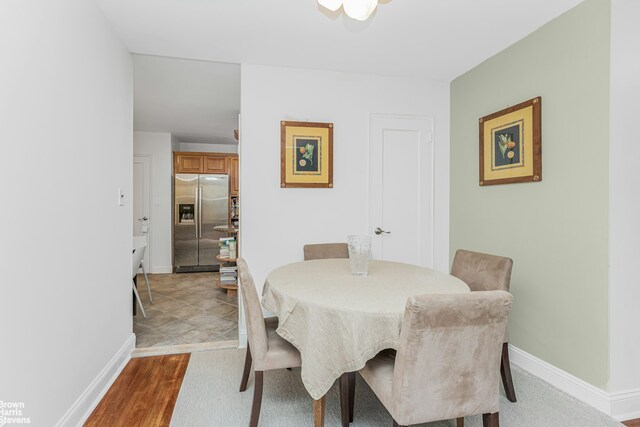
pixel 332 5
pixel 359 9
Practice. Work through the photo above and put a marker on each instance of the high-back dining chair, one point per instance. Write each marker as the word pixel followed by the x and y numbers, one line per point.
pixel 447 361
pixel 141 242
pixel 484 272
pixel 265 348
pixel 138 253
pixel 325 250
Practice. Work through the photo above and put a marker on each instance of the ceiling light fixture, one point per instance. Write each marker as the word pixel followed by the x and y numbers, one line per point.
pixel 356 9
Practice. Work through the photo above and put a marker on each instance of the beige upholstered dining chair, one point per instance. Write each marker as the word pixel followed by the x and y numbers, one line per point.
pixel 447 361
pixel 483 272
pixel 266 349
pixel 326 250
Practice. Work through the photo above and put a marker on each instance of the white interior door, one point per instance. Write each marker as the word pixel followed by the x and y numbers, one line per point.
pixel 141 201
pixel 401 179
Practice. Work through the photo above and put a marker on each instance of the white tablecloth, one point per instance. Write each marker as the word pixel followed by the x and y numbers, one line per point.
pixel 339 321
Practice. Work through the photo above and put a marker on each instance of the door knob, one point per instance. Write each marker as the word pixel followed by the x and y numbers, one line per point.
pixel 380 231
pixel 144 218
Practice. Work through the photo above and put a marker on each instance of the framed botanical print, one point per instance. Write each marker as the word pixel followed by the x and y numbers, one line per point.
pixel 306 154
pixel 511 145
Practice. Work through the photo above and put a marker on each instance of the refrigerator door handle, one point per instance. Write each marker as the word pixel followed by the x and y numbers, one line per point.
pixel 200 212
pixel 197 215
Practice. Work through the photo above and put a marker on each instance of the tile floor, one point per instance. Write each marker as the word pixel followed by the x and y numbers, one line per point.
pixel 187 308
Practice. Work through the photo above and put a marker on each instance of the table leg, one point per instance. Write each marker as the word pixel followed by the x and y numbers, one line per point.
pixel 318 412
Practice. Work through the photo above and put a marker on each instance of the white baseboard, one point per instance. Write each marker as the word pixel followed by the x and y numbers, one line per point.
pixel 161 269
pixel 625 405
pixel 89 399
pixel 619 405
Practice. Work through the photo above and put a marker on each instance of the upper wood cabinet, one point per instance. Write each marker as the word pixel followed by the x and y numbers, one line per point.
pixel 233 162
pixel 201 163
pixel 215 164
pixel 218 163
pixel 188 163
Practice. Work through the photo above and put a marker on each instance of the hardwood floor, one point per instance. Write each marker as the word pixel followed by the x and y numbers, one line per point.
pixel 632 423
pixel 144 394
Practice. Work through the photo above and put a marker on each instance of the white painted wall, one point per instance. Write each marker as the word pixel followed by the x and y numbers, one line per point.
pixel 175 144
pixel 624 287
pixel 208 148
pixel 158 146
pixel 277 222
pixel 66 107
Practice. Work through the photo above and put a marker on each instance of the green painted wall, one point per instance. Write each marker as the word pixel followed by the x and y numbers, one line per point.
pixel 556 230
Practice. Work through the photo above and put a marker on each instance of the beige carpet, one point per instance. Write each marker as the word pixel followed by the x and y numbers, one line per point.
pixel 209 397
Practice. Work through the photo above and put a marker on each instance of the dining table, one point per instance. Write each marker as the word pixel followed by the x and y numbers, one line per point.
pixel 338 321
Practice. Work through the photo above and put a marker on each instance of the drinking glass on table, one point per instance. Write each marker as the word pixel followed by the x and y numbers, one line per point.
pixel 359 254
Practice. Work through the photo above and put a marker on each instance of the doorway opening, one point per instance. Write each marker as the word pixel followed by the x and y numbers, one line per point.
pixel 186 203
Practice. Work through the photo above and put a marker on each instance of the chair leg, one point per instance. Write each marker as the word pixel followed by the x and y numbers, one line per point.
pixel 352 394
pixel 344 399
pixel 135 292
pixel 490 420
pixel 460 422
pixel 246 371
pixel 505 371
pixel 319 406
pixel 146 280
pixel 257 400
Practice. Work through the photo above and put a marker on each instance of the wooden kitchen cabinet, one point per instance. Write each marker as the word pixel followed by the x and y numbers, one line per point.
pixel 203 163
pixel 233 175
pixel 188 163
pixel 216 164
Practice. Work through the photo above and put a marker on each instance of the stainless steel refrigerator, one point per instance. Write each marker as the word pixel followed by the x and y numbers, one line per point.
pixel 201 203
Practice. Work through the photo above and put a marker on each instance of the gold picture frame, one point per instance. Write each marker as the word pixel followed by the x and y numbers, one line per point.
pixel 511 144
pixel 306 155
